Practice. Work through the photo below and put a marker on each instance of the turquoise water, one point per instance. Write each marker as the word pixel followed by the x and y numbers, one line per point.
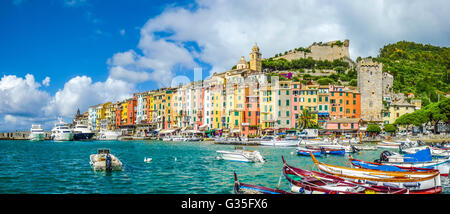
pixel 177 167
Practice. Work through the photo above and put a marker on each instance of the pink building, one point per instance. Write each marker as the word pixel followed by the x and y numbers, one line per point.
pixel 343 126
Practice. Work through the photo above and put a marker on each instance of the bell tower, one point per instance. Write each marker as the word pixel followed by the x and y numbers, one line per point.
pixel 255 59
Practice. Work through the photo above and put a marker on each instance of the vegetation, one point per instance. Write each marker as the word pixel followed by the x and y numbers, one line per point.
pixel 307 63
pixel 307 120
pixel 432 114
pixel 373 128
pixel 420 69
pixel 390 128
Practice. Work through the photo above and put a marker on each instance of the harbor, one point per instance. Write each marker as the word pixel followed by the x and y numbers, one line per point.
pixel 175 167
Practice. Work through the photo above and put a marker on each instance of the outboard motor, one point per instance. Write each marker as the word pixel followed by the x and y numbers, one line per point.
pixel 354 149
pixel 108 163
pixel 384 157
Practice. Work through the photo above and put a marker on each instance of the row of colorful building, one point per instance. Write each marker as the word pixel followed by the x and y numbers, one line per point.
pixel 242 101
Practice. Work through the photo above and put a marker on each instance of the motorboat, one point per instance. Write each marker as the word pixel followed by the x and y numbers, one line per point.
pixel 280 142
pixel 336 147
pixel 435 151
pixel 109 135
pixel 178 138
pixel 328 149
pixel 307 152
pixel 105 161
pixel 389 145
pixel 420 159
pixel 36 133
pixel 82 132
pixel 61 131
pixel 240 155
pixel 315 141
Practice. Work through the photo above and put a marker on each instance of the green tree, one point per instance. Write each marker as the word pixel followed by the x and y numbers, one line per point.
pixel 373 128
pixel 306 120
pixel 390 128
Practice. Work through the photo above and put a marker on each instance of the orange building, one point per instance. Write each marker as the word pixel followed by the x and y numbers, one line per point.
pixel 131 112
pixel 251 116
pixel 344 103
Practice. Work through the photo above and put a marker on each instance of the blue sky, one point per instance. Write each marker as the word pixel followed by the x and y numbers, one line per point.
pixel 60 55
pixel 62 41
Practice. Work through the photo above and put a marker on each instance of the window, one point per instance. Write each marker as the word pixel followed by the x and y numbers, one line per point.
pixel 287 113
pixel 340 109
pixel 287 102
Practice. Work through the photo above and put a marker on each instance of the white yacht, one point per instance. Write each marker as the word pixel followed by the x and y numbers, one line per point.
pixel 109 135
pixel 82 132
pixel 61 131
pixel 36 133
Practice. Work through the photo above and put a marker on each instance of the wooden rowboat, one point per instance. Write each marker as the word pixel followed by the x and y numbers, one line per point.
pixel 312 182
pixel 438 165
pixel 242 188
pixel 417 182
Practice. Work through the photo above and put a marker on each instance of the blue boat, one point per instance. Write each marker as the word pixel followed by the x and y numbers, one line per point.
pixel 307 152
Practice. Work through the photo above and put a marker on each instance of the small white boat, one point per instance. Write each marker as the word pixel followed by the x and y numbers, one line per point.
pixel 279 142
pixel 241 155
pixel 389 145
pixel 61 131
pixel 317 141
pixel 36 133
pixel 178 138
pixel 105 161
pixel 109 135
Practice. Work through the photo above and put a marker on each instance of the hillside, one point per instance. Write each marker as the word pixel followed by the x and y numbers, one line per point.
pixel 420 69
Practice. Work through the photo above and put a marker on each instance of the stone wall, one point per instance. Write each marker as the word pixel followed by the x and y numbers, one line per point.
pixel 370 85
pixel 320 51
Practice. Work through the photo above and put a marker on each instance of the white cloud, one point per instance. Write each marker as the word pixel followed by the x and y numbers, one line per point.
pixel 122 32
pixel 21 96
pixel 80 92
pixel 46 81
pixel 226 30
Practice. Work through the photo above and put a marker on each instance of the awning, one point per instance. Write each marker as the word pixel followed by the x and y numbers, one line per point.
pixel 323 114
pixel 236 131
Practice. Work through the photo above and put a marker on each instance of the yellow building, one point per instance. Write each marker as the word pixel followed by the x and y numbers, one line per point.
pixel 309 99
pixel 123 118
pixel 110 114
pixel 266 108
pixel 235 101
pixel 396 110
pixel 100 115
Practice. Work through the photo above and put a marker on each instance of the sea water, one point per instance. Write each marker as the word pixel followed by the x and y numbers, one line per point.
pixel 49 167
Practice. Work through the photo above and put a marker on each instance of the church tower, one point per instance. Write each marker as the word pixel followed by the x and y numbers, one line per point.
pixel 255 59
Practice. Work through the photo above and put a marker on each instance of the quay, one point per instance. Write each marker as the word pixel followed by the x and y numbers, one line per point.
pixel 20 135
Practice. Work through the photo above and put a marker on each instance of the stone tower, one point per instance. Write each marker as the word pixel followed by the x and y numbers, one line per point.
pixel 255 59
pixel 370 85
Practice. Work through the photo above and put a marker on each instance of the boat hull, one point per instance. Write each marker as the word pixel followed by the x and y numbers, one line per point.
pixel 284 143
pixel 36 136
pixel 63 137
pixel 415 182
pixel 83 136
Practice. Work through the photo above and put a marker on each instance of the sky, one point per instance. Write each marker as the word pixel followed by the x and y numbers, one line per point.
pixel 60 55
